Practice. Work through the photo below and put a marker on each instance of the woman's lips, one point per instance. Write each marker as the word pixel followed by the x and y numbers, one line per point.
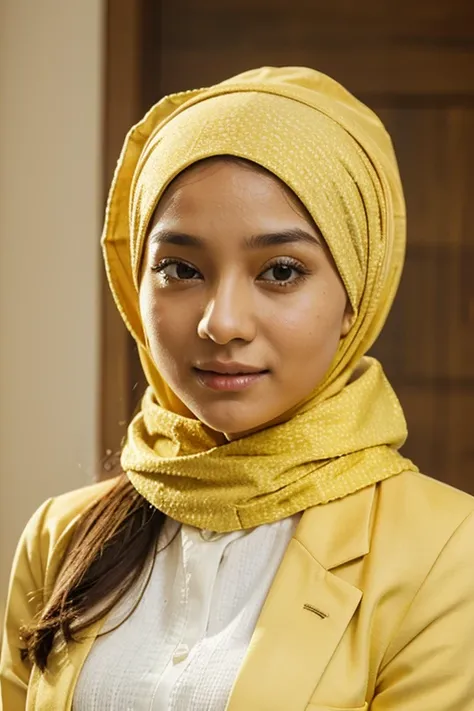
pixel 227 382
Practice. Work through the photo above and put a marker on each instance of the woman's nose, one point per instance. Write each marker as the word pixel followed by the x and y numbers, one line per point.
pixel 229 315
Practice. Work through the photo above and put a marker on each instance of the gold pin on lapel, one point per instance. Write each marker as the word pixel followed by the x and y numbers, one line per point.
pixel 317 612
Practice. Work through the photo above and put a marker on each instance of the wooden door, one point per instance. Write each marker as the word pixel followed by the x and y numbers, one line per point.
pixel 413 63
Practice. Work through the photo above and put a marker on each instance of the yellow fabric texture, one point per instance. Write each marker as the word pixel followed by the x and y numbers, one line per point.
pixel 336 156
pixel 399 631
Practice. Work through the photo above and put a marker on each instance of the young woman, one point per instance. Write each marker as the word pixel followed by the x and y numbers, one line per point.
pixel 266 547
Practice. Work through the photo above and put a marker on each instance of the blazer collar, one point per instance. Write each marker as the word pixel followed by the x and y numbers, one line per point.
pixel 307 610
pixel 338 532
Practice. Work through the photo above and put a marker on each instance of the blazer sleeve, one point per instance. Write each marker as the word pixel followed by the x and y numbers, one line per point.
pixel 25 596
pixel 429 665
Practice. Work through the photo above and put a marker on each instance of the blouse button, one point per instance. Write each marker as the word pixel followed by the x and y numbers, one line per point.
pixel 181 653
pixel 210 535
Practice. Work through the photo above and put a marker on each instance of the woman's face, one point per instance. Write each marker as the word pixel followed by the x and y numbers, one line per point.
pixel 241 303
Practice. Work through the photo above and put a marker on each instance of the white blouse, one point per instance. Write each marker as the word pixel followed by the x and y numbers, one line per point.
pixel 182 647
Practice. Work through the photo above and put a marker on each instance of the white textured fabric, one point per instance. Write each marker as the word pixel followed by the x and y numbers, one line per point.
pixel 181 648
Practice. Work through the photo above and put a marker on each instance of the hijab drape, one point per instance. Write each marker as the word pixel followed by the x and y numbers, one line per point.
pixel 335 155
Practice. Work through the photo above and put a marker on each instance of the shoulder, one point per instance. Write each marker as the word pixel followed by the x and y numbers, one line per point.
pixel 62 509
pixel 420 505
pixel 408 517
pixel 425 528
pixel 56 514
pixel 49 530
pixel 39 552
pixel 424 554
pixel 428 488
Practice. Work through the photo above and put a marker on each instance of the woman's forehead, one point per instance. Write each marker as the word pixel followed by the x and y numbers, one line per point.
pixel 223 183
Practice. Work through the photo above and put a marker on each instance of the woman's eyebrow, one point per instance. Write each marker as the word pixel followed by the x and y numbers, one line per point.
pixel 289 236
pixel 258 241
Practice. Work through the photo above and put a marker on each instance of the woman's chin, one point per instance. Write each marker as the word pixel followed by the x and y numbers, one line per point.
pixel 234 419
pixel 233 425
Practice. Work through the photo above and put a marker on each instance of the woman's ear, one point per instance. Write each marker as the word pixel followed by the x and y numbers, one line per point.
pixel 347 321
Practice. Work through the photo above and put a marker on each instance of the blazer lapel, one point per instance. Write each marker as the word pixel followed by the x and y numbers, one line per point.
pixel 307 610
pixel 57 684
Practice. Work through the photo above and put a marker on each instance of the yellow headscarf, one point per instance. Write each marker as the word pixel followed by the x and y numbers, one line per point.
pixel 336 156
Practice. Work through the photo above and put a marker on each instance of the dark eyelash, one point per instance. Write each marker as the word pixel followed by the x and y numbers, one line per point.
pixel 282 261
pixel 287 262
pixel 158 268
pixel 165 263
pixel 302 271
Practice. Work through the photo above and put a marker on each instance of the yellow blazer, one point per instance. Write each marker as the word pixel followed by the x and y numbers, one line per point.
pixel 372 607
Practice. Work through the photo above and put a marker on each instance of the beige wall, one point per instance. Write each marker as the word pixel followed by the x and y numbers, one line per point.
pixel 50 219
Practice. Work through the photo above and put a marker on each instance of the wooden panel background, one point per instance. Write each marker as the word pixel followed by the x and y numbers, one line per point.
pixel 123 107
pixel 413 63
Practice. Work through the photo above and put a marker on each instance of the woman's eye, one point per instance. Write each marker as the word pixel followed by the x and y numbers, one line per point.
pixel 284 273
pixel 176 270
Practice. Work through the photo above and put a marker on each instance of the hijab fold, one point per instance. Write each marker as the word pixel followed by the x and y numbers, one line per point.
pixel 335 155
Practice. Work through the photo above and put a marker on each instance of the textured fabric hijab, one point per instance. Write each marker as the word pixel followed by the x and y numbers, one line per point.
pixel 335 155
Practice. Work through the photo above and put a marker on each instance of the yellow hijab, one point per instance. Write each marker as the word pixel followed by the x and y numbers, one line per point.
pixel 336 156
